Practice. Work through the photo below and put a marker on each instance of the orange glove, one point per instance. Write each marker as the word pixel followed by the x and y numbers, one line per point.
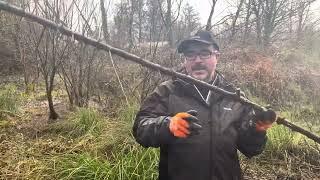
pixel 183 124
pixel 264 120
pixel 262 126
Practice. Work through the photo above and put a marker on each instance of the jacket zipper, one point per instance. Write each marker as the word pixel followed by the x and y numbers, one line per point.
pixel 210 145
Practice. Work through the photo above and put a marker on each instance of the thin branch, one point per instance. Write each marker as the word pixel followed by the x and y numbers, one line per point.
pixel 86 20
pixel 119 80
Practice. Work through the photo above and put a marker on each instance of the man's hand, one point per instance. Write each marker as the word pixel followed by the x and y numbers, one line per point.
pixel 184 124
pixel 264 119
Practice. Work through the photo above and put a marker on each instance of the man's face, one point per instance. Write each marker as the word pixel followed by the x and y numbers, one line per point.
pixel 200 61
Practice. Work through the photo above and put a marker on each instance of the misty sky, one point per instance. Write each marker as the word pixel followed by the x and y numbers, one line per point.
pixel 224 7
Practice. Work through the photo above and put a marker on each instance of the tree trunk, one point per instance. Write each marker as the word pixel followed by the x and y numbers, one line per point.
pixel 300 19
pixel 234 21
pixel 104 18
pixel 209 21
pixel 50 82
pixel 246 26
pixel 53 115
pixel 140 22
pixel 256 7
pixel 169 23
pixel 130 32
pixel 259 37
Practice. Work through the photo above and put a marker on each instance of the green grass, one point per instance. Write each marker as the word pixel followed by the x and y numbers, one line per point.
pixel 110 154
pixel 126 162
pixel 88 145
pixel 280 140
pixel 287 155
pixel 81 122
pixel 9 98
pixel 86 121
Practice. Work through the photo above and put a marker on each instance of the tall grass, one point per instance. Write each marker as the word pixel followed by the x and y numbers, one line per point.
pixel 9 98
pixel 99 148
pixel 127 113
pixel 88 145
pixel 112 154
pixel 280 140
pixel 86 121
pixel 125 163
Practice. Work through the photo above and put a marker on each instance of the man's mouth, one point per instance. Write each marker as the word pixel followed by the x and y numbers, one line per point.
pixel 199 72
pixel 200 69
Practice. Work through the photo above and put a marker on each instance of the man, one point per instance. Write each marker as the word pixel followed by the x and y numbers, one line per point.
pixel 199 131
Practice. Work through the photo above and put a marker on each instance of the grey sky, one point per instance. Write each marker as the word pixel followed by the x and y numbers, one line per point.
pixel 224 7
pixel 204 7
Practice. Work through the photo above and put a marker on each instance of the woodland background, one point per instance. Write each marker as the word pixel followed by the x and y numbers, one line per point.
pixel 67 108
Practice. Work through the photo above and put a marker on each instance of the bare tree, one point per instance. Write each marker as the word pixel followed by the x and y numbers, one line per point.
pixel 141 18
pixel 168 22
pixel 169 18
pixel 50 46
pixel 121 24
pixel 269 14
pixel 104 17
pixel 209 21
pixel 79 69
pixel 78 72
pixel 303 7
pixel 189 23
pixel 276 13
pixel 247 20
pixel 257 8
pixel 234 20
pixel 24 52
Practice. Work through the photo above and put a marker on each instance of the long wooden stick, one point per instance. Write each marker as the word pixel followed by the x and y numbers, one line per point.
pixel 131 57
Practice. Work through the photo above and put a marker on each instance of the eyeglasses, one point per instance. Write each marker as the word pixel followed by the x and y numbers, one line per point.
pixel 203 55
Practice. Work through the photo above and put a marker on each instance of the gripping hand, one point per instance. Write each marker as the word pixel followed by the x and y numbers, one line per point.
pixel 264 119
pixel 184 124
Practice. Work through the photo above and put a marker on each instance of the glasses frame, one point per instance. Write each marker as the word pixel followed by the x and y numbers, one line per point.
pixel 198 54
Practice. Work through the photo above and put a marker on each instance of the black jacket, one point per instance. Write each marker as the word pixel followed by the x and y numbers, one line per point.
pixel 227 126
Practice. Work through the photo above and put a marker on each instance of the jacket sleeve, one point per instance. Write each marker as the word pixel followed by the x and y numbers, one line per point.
pixel 250 142
pixel 151 126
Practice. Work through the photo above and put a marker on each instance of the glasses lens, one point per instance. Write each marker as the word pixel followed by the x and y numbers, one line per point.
pixel 190 56
pixel 205 55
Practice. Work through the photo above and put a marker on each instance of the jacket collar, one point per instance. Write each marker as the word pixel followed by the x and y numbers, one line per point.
pixel 192 90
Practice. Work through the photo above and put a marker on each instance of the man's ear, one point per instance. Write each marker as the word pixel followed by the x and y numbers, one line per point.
pixel 217 56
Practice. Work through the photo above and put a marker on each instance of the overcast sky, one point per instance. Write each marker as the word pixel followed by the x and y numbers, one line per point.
pixel 224 7
pixel 204 7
